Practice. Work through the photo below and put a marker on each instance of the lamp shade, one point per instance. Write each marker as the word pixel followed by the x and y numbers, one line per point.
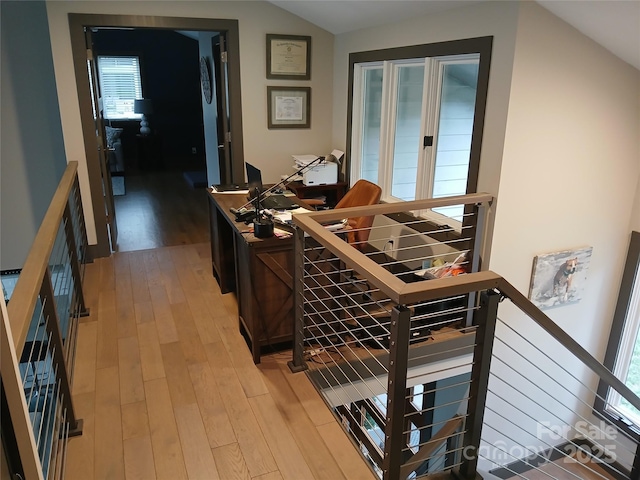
pixel 143 106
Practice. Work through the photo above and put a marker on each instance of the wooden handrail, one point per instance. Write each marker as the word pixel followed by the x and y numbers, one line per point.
pixel 397 290
pixel 397 207
pixel 524 304
pixel 23 299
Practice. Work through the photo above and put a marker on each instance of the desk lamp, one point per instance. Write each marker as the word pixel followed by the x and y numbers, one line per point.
pixel 243 214
pixel 262 224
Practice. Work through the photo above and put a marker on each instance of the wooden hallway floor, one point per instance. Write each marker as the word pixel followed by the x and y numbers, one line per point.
pixel 167 389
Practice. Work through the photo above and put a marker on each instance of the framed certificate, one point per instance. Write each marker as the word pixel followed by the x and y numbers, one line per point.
pixel 289 107
pixel 288 57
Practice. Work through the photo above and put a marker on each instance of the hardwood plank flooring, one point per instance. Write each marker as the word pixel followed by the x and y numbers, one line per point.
pixel 160 209
pixel 167 389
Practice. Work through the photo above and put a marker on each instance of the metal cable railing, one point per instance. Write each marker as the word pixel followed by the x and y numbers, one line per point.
pixel 539 413
pixel 39 334
pixel 402 338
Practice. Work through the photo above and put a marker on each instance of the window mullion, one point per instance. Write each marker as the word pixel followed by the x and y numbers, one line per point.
pixel 358 96
pixel 424 184
pixel 387 127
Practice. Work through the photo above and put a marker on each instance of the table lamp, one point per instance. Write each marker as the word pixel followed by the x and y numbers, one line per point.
pixel 145 107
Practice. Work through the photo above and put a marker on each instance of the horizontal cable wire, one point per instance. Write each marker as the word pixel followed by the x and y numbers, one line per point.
pixel 419 429
pixel 332 312
pixel 535 420
pixel 437 456
pixel 370 372
pixel 537 454
pixel 439 389
pixel 547 410
pixel 577 397
pixel 436 407
pixel 628 436
pixel 516 459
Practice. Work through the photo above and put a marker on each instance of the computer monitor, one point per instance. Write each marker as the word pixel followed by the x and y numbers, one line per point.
pixel 254 179
pixel 276 202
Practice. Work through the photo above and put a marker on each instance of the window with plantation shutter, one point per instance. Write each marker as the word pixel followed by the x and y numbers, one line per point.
pixel 120 85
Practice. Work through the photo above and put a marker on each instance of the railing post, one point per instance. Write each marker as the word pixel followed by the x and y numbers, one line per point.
pixel 635 468
pixel 16 403
pixel 485 320
pixel 480 214
pixel 57 347
pixel 297 364
pixel 394 438
pixel 74 260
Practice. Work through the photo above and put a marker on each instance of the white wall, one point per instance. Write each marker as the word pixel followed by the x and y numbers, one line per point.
pixel 270 150
pixel 209 112
pixel 569 178
pixel 570 167
pixel 635 216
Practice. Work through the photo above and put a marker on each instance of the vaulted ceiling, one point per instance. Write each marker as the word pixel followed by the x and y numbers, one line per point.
pixel 614 24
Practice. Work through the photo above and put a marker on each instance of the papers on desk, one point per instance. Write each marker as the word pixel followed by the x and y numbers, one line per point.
pixel 286 218
pixel 303 160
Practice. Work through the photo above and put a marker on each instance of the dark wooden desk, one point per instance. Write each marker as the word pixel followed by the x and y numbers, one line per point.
pixel 259 271
pixel 333 191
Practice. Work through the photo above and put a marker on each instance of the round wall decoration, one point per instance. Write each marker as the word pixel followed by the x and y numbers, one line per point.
pixel 205 78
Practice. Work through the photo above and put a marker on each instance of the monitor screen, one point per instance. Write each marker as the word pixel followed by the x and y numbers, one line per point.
pixel 254 180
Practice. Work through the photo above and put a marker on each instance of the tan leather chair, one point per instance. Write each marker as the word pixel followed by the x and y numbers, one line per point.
pixel 362 193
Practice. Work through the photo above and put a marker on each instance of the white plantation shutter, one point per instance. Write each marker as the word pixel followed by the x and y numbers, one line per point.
pixel 120 85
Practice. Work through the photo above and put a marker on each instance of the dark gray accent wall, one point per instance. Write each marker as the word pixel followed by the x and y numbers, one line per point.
pixel 32 155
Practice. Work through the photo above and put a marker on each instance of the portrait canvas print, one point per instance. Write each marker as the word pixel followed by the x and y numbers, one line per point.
pixel 558 278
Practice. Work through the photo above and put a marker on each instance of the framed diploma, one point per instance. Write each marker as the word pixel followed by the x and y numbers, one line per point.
pixel 288 57
pixel 289 107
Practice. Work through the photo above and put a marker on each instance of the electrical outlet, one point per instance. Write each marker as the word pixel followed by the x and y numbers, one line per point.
pixel 194 150
pixel 393 246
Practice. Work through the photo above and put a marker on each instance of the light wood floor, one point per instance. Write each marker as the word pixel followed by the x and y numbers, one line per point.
pixel 160 209
pixel 167 389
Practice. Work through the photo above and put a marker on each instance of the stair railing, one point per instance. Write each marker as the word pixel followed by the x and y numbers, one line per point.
pixel 415 370
pixel 39 333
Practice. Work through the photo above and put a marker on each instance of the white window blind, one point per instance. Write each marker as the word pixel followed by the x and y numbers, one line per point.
pixel 120 85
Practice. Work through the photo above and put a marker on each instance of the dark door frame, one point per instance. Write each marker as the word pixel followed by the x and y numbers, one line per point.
pixel 77 25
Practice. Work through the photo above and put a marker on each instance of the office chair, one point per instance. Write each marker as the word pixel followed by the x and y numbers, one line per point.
pixel 362 193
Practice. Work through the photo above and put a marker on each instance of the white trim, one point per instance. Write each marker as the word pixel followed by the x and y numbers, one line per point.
pixel 625 353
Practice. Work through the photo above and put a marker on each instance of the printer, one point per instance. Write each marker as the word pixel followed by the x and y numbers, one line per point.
pixel 323 173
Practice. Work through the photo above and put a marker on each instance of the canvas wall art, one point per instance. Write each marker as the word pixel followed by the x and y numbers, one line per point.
pixel 558 278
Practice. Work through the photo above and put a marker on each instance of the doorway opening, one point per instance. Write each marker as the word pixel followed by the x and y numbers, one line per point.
pixel 188 138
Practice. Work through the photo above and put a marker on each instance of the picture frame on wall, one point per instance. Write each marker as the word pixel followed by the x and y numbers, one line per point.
pixel 289 107
pixel 288 57
pixel 558 278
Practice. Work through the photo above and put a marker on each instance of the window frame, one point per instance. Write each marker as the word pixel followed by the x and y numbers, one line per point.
pixel 481 46
pixel 614 345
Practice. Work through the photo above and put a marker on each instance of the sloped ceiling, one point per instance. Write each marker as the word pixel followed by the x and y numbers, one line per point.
pixel 614 24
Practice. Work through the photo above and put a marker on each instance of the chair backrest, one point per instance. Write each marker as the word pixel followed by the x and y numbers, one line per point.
pixel 362 193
